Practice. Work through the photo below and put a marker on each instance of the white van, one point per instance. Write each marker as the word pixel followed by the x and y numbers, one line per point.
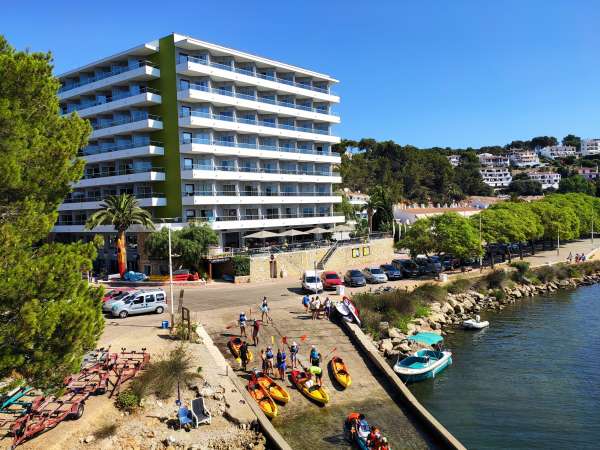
pixel 148 301
pixel 311 282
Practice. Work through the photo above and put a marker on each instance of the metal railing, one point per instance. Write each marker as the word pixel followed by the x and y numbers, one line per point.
pixel 102 76
pixel 101 198
pixel 250 73
pixel 255 146
pixel 254 98
pixel 255 194
pixel 112 98
pixel 262 123
pixel 135 118
pixel 324 173
pixel 115 172
pixel 98 150
pixel 259 217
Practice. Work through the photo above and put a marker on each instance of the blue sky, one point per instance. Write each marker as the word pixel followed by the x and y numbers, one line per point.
pixel 429 73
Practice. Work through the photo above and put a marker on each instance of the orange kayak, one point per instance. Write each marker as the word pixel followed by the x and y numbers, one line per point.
pixel 266 403
pixel 275 391
pixel 340 371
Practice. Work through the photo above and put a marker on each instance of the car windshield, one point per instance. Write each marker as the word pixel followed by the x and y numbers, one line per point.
pixel 355 273
pixel 331 276
pixel 376 271
pixel 310 279
pixel 387 267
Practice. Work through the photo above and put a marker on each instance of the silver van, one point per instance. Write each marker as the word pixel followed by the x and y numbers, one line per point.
pixel 150 301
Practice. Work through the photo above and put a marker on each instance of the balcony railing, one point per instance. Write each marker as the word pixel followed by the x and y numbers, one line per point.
pixel 113 98
pixel 229 93
pixel 256 194
pixel 324 173
pixel 101 198
pixel 251 73
pixel 129 145
pixel 262 123
pixel 103 75
pixel 255 146
pixel 115 172
pixel 260 217
pixel 136 118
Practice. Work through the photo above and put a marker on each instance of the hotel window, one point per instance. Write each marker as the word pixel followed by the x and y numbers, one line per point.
pixel 188 163
pixel 184 84
pixel 186 111
pixel 189 190
pixel 190 214
pixel 186 138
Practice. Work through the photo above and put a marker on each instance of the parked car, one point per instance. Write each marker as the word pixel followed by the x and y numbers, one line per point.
pixel 108 304
pixel 436 262
pixel 374 275
pixel 311 281
pixel 117 293
pixel 330 280
pixel 449 262
pixel 427 266
pixel 354 278
pixel 407 266
pixel 150 301
pixel 391 272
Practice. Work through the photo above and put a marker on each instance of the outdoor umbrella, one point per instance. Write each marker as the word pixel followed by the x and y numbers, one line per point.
pixel 343 228
pixel 291 233
pixel 319 230
pixel 263 234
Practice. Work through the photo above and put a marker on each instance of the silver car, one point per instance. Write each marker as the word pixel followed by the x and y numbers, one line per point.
pixel 140 303
pixel 107 305
pixel 375 275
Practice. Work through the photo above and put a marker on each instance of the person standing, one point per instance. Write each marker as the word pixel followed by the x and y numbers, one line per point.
pixel 314 357
pixel 242 322
pixel 244 355
pixel 263 359
pixel 318 374
pixel 327 308
pixel 306 303
pixel 255 331
pixel 264 309
pixel 281 363
pixel 269 357
pixel 294 349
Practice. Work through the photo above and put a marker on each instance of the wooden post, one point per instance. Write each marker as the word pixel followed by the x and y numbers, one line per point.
pixel 209 270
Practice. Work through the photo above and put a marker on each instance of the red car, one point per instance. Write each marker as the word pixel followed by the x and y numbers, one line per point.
pixel 331 279
pixel 114 294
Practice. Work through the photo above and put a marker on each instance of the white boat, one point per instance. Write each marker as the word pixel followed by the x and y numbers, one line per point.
pixel 347 311
pixel 475 324
pixel 425 363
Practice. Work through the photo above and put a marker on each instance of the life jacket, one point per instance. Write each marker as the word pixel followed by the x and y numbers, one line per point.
pixel 314 354
pixel 242 318
pixel 269 354
pixel 294 349
pixel 279 358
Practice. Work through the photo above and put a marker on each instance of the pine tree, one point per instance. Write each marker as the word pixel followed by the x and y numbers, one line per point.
pixel 49 315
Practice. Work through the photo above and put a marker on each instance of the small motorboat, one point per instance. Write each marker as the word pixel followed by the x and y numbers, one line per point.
pixel 475 324
pixel 425 363
pixel 356 431
pixel 340 371
pixel 265 402
pixel 275 391
pixel 305 385
pixel 348 311
pixel 234 345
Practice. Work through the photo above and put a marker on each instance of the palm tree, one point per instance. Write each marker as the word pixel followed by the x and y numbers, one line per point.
pixel 120 211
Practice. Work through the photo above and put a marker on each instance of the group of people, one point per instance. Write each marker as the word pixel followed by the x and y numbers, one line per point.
pixel 578 258
pixel 316 306
pixel 359 428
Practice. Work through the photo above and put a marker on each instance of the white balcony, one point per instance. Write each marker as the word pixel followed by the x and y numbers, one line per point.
pixel 136 177
pixel 242 199
pixel 137 100
pixel 143 72
pixel 150 123
pixel 264 152
pixel 227 175
pixel 198 121
pixel 241 101
pixel 125 153
pixel 196 67
pixel 91 205
pixel 226 225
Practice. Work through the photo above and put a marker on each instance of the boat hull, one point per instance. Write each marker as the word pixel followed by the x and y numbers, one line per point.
pixel 430 370
pixel 340 372
pixel 317 394
pixel 277 393
pixel 474 325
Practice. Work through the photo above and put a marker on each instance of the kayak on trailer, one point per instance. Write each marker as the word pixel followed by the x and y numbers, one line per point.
pixel 356 431
pixel 311 390
pixel 275 391
pixel 266 403
pixel 234 345
pixel 340 371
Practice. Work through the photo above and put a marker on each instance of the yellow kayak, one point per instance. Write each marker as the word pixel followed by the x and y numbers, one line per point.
pixel 316 393
pixel 234 345
pixel 274 390
pixel 340 371
pixel 266 403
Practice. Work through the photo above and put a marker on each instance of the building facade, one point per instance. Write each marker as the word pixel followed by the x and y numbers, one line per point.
pixel 557 151
pixel 590 147
pixel 203 133
pixel 547 179
pixel 496 177
pixel 589 173
pixel 524 158
pixel 489 160
pixel 454 160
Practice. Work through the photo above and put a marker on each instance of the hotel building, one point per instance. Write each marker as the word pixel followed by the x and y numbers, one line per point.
pixel 203 133
pixel 557 151
pixel 590 147
pixel 524 158
pixel 546 179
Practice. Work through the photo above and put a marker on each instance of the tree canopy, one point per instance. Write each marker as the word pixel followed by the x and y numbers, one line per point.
pixel 576 183
pixel 49 315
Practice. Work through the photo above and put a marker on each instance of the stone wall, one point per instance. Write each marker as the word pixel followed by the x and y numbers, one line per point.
pixel 293 264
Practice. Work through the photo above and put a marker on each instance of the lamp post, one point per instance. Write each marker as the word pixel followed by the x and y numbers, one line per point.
pixel 171 281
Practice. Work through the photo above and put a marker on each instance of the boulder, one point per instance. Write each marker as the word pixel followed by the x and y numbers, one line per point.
pixel 396 333
pixel 458 309
pixel 437 318
pixel 412 329
pixel 447 308
pixel 396 341
pixel 386 346
pixel 453 302
pixel 383 328
pixel 435 306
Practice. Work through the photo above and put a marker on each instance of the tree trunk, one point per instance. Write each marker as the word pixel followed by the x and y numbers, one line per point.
pixel 370 219
pixel 121 252
pixel 520 251
pixel 532 247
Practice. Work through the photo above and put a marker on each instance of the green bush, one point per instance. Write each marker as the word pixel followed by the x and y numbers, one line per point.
pixel 402 323
pixel 499 294
pixel 241 266
pixel 545 273
pixel 127 401
pixel 422 311
pixel 496 279
pixel 521 266
pixel 459 286
pixel 429 293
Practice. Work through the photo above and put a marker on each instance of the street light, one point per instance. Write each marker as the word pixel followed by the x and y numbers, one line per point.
pixel 171 280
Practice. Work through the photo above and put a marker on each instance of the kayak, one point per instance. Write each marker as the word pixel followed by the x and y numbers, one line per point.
pixel 234 345
pixel 358 436
pixel 266 403
pixel 275 391
pixel 316 393
pixel 340 371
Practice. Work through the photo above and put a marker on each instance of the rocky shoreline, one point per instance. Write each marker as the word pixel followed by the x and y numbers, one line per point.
pixel 462 306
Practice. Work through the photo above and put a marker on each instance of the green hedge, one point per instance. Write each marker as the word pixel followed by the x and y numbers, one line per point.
pixel 241 266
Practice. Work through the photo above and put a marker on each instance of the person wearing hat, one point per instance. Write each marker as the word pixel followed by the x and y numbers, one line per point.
pixel 264 309
pixel 314 357
pixel 294 349
pixel 242 322
pixel 269 355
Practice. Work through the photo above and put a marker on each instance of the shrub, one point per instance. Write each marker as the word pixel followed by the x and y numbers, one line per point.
pixel 545 273
pixel 429 293
pixel 241 266
pixel 422 311
pixel 459 286
pixel 499 294
pixel 496 279
pixel 521 266
pixel 127 400
pixel 402 323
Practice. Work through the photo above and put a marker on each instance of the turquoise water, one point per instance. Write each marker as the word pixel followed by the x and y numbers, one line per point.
pixel 529 381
